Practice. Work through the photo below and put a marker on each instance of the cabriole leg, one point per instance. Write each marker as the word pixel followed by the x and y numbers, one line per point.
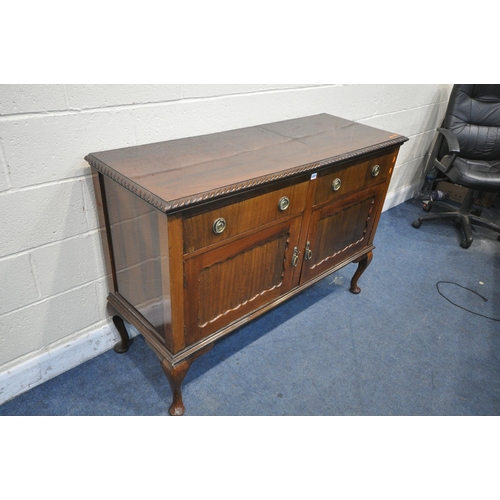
pixel 124 343
pixel 363 263
pixel 175 375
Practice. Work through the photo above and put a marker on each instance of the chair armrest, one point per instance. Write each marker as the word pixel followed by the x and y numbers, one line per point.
pixel 453 147
pixel 451 139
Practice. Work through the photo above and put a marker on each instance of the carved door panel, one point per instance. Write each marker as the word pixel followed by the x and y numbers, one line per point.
pixel 235 279
pixel 339 230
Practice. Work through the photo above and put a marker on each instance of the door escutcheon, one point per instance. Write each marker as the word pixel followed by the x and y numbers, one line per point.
pixel 295 257
pixel 308 252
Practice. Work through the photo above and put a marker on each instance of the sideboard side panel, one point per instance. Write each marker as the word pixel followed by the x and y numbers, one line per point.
pixel 137 254
pixel 100 198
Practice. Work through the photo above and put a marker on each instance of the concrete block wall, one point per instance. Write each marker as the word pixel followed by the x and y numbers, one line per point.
pixel 53 280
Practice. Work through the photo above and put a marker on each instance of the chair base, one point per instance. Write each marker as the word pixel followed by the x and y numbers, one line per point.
pixel 464 218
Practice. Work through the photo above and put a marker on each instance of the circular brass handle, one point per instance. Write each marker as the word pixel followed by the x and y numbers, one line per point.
pixel 375 170
pixel 336 184
pixel 219 225
pixel 284 203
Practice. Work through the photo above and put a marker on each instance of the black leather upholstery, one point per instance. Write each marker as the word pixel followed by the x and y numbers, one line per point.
pixel 467 151
pixel 477 174
pixel 473 115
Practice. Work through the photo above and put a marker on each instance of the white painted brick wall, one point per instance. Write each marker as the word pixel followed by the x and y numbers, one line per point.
pixel 52 273
pixel 65 265
pixel 19 99
pixel 37 325
pixel 40 215
pixel 99 96
pixel 19 286
pixel 4 171
pixel 42 148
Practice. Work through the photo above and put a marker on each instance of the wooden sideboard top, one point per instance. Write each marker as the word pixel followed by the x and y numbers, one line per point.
pixel 182 172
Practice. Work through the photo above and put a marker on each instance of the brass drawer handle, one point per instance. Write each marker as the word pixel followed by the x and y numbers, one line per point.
pixel 375 170
pixel 219 225
pixel 336 184
pixel 284 203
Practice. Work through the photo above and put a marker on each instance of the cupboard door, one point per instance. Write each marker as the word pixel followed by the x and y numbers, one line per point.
pixel 339 230
pixel 225 283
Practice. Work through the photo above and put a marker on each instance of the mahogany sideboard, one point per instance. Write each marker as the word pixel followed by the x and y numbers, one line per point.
pixel 206 233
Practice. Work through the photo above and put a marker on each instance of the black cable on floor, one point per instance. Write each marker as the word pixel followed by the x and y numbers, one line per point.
pixel 465 288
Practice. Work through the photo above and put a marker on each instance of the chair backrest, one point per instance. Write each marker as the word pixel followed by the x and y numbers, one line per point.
pixel 473 114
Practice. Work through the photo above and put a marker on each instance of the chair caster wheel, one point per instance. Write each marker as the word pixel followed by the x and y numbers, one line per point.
pixel 426 207
pixel 416 223
pixel 476 211
pixel 465 243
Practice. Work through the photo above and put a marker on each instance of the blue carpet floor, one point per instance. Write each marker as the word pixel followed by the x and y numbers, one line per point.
pixel 397 348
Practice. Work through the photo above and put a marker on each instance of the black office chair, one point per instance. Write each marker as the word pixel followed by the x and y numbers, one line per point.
pixel 467 151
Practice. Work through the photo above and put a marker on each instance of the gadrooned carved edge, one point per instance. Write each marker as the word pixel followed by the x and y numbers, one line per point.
pixel 169 206
pixel 127 183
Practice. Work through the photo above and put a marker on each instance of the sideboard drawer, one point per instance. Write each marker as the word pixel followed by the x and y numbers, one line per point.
pixel 343 181
pixel 223 222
